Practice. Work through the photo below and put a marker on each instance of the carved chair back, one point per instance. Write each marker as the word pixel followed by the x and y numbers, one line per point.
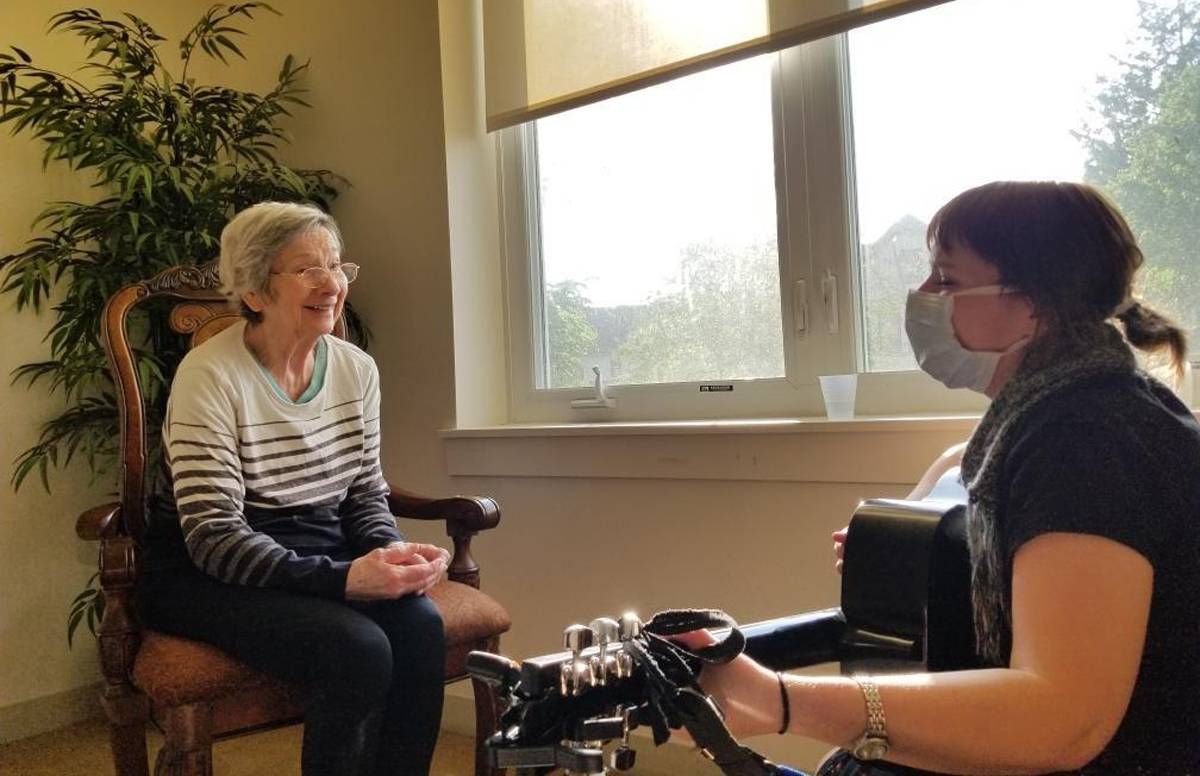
pixel 200 310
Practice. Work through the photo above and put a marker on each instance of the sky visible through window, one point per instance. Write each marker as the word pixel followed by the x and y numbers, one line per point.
pixel 626 185
pixel 933 93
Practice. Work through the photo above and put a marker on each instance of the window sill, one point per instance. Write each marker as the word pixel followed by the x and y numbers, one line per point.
pixel 891 449
pixel 862 424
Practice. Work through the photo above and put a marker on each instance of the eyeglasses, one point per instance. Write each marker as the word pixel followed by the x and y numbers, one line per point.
pixel 315 277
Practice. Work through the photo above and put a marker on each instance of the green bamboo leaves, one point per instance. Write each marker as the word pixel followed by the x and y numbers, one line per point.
pixel 170 161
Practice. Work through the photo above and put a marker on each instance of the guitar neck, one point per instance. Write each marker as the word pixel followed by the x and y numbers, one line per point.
pixel 781 643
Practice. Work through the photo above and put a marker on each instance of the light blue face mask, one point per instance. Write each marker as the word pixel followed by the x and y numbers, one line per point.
pixel 929 321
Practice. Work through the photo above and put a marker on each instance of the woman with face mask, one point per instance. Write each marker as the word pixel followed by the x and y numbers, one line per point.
pixel 1083 518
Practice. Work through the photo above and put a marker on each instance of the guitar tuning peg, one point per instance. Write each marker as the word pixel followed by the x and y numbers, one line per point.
pixel 606 630
pixel 577 638
pixel 604 664
pixel 630 626
pixel 576 674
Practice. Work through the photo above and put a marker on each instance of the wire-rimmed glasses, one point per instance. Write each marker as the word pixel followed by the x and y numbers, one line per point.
pixel 315 277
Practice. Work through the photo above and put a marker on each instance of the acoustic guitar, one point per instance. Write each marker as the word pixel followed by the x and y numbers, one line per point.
pixel 905 606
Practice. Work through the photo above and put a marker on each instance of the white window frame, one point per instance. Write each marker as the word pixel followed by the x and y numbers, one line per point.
pixel 814 195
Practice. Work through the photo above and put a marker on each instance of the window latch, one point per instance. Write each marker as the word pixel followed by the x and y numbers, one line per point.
pixel 829 296
pixel 800 305
pixel 600 399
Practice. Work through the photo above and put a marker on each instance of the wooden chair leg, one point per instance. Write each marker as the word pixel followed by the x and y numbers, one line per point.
pixel 187 750
pixel 129 749
pixel 487 721
pixel 127 712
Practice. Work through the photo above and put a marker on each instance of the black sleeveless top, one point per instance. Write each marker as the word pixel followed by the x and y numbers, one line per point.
pixel 1119 457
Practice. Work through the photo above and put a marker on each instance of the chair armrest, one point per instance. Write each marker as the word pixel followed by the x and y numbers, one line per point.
pixel 119 633
pixel 461 513
pixel 102 522
pixel 464 515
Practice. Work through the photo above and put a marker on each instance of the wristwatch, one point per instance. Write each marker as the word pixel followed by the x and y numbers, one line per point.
pixel 873 744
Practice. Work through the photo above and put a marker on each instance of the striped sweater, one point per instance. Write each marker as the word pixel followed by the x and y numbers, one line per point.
pixel 265 492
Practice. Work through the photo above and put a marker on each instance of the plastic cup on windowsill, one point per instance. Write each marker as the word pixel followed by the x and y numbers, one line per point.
pixel 838 391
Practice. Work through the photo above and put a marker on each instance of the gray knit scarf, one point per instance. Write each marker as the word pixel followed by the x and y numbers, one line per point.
pixel 1089 352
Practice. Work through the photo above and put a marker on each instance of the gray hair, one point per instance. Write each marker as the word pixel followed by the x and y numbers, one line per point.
pixel 255 236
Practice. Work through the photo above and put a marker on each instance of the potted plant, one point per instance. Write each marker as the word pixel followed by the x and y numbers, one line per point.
pixel 171 160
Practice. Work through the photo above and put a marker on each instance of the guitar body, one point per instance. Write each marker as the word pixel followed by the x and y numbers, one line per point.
pixel 906 601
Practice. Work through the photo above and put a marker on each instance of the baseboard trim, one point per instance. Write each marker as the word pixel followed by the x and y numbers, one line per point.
pixel 50 712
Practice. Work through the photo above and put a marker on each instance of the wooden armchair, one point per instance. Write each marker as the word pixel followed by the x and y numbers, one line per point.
pixel 197 692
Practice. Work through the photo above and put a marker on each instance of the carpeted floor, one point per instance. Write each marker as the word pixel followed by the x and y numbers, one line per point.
pixel 82 750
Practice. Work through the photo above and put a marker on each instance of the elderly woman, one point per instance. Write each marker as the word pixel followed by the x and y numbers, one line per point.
pixel 270 535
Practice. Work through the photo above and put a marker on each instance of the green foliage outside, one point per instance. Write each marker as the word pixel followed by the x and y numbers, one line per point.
pixel 1145 152
pixel 722 321
pixel 170 160
pixel 572 337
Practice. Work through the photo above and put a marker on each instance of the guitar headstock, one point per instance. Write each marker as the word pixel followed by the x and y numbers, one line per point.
pixel 565 708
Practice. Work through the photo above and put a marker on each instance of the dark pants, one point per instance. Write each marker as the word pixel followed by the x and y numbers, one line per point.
pixel 372 670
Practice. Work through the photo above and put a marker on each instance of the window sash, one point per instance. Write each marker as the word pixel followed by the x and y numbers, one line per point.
pixel 816 239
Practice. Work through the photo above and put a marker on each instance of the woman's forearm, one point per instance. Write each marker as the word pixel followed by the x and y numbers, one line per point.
pixel 993 721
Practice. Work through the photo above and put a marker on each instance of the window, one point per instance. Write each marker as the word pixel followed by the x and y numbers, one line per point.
pixel 715 243
pixel 659 256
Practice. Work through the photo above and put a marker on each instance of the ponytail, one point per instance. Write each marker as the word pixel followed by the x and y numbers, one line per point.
pixel 1147 329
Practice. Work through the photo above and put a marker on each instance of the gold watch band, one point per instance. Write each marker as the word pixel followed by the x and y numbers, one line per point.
pixel 873 744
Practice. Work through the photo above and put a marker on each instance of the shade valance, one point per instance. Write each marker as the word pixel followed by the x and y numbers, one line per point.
pixel 547 56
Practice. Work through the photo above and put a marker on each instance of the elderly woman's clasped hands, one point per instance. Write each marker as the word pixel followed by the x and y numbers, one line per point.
pixel 399 569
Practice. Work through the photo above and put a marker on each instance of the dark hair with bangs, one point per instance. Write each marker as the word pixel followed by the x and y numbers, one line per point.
pixel 1065 247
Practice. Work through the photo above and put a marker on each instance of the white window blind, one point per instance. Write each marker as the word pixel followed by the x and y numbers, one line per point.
pixel 546 56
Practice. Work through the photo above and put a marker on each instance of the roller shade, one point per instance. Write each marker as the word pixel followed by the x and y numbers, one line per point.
pixel 547 56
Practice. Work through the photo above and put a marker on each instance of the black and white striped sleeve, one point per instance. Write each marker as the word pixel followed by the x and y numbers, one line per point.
pixel 202 445
pixel 366 519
